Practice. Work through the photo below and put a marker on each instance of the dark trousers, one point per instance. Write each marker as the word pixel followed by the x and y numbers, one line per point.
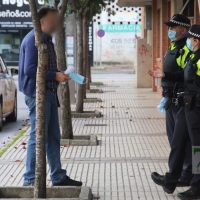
pixel 179 144
pixel 176 129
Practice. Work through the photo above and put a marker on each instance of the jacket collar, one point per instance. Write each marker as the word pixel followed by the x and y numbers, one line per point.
pixel 46 37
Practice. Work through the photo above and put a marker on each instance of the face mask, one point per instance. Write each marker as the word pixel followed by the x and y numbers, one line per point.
pixel 77 78
pixel 188 43
pixel 172 35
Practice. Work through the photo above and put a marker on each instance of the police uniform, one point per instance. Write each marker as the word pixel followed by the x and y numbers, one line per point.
pixel 191 77
pixel 174 61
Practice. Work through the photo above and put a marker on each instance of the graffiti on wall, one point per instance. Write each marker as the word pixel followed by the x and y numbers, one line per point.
pixel 119 42
pixel 143 50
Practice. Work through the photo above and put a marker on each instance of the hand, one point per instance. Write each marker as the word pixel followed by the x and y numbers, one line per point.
pixel 60 77
pixel 158 73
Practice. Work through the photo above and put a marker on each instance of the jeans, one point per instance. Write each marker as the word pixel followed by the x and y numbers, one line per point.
pixel 176 129
pixel 52 140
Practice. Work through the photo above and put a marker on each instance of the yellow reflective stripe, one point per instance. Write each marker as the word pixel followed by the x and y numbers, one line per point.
pixel 182 58
pixel 172 47
pixel 192 56
pixel 198 68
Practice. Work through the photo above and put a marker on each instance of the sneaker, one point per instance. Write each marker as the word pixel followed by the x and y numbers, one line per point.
pixel 189 194
pixel 183 182
pixel 68 182
pixel 28 184
pixel 159 180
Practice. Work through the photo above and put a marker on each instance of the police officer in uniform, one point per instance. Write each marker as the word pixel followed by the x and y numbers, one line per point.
pixel 191 77
pixel 174 61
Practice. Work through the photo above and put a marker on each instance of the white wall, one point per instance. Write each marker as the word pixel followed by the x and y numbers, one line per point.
pixel 118 44
pixel 121 32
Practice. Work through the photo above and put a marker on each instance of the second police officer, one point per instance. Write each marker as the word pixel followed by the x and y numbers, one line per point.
pixel 174 61
pixel 191 77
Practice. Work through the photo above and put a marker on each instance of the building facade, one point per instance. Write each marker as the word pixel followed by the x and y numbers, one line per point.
pixel 15 23
pixel 117 44
pixel 156 13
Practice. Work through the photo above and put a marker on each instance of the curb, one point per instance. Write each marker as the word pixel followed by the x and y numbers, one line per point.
pixel 94 91
pixel 92 100
pixel 14 139
pixel 61 192
pixel 80 140
pixel 96 83
pixel 87 114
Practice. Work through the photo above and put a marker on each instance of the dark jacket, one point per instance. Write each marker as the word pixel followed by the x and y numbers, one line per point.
pixel 28 62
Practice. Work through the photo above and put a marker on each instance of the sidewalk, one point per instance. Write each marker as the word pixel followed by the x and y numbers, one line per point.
pixel 132 139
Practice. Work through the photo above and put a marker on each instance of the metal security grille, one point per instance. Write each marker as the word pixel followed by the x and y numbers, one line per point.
pixel 114 7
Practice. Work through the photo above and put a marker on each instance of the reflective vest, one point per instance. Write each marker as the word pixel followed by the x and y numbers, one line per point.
pixel 192 74
pixel 174 61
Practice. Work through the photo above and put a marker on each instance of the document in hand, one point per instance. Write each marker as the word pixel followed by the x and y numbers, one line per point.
pixel 69 70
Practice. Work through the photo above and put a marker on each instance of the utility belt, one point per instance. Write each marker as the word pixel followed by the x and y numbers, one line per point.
pixel 191 101
pixel 171 84
pixel 174 99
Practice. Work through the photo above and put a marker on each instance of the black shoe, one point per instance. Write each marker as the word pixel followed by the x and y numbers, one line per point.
pixel 183 182
pixel 68 182
pixel 189 194
pixel 28 184
pixel 159 180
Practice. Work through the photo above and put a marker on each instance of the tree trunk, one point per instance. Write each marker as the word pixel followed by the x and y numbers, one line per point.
pixel 85 45
pixel 79 97
pixel 66 121
pixel 40 180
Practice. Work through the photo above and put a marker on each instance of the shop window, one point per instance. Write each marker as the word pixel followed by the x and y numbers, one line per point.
pixel 189 9
pixel 10 41
pixel 158 30
pixel 169 17
pixel 10 45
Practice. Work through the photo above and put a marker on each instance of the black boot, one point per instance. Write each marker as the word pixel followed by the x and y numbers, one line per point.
pixel 183 182
pixel 68 182
pixel 189 194
pixel 159 180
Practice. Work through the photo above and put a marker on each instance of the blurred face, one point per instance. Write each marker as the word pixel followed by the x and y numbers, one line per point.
pixel 49 22
pixel 195 43
pixel 179 30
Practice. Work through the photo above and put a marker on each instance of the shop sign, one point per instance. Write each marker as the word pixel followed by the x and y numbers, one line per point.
pixel 16 13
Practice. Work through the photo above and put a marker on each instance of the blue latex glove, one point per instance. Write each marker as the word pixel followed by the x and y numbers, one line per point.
pixel 162 105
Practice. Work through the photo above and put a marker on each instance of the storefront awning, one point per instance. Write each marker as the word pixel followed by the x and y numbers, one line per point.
pixel 133 3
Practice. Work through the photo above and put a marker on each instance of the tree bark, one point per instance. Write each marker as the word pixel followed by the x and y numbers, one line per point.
pixel 79 97
pixel 40 180
pixel 66 121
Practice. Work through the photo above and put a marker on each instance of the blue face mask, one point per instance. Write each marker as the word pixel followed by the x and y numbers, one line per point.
pixel 172 35
pixel 161 106
pixel 77 78
pixel 188 43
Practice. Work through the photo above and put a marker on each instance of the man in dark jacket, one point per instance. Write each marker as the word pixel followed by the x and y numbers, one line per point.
pixel 28 62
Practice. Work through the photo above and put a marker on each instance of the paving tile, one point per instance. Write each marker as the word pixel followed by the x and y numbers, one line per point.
pixel 132 144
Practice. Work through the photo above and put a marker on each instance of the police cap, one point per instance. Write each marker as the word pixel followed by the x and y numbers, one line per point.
pixel 177 20
pixel 193 32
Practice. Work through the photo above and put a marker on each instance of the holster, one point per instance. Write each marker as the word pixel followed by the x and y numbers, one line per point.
pixel 197 101
pixel 188 101
pixel 168 104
